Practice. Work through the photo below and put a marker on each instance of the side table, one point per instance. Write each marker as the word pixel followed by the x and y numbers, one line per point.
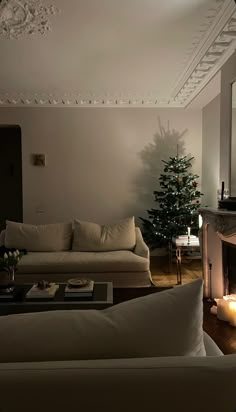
pixel 183 245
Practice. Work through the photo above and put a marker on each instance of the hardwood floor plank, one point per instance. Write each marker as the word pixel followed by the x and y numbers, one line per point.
pixel 191 270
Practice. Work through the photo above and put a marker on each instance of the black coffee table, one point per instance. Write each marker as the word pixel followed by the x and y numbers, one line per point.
pixel 123 294
pixel 102 298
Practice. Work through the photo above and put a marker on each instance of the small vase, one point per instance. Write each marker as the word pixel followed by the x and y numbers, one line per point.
pixel 11 276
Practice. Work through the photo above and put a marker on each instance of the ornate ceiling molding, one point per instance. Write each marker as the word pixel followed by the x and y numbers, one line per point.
pixel 24 17
pixel 213 51
pixel 211 47
pixel 77 100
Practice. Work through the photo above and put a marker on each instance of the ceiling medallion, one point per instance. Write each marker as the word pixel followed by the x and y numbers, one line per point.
pixel 24 17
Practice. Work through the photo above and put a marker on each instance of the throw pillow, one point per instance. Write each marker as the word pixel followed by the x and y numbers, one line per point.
pixel 92 237
pixel 54 237
pixel 168 323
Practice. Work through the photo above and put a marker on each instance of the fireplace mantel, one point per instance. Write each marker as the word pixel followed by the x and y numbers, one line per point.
pixel 223 221
pixel 218 225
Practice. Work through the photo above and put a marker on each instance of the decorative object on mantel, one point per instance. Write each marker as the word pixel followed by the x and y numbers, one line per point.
pixel 226 309
pixel 24 17
pixel 222 193
pixel 227 204
pixel 224 200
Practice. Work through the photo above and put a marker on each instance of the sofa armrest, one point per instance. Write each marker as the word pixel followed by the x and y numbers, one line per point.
pixel 211 347
pixel 141 249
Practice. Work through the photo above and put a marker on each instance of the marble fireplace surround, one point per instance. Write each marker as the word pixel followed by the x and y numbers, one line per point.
pixel 218 225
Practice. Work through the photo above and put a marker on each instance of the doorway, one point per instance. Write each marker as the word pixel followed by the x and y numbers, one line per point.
pixel 11 203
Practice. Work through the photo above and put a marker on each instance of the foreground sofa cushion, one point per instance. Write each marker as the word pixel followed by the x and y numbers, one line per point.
pixel 92 237
pixel 173 384
pixel 168 323
pixel 38 238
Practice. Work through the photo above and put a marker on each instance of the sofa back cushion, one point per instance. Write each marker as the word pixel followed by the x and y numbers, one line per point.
pixel 92 237
pixel 168 323
pixel 39 238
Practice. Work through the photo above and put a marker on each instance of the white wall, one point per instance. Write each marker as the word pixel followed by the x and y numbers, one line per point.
pixel 233 153
pixel 102 164
pixel 211 152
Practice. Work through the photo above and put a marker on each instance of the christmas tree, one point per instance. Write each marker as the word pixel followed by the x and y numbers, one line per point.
pixel 178 200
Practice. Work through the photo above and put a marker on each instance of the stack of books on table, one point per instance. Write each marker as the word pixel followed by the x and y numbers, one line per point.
pixel 85 291
pixel 36 292
pixel 185 237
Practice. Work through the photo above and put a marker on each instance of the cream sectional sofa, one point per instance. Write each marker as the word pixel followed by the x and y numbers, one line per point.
pixel 56 252
pixel 147 354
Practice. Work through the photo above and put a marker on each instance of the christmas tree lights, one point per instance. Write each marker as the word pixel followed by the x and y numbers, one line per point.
pixel 178 199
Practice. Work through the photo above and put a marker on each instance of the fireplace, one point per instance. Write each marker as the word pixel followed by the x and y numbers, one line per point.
pixel 229 267
pixel 218 243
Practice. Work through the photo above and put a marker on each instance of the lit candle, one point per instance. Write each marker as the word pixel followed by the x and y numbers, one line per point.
pixel 213 310
pixel 188 234
pixel 232 312
pixel 222 309
pixel 199 221
pixel 226 309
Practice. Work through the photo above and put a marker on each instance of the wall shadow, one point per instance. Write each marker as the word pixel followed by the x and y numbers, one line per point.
pixel 166 142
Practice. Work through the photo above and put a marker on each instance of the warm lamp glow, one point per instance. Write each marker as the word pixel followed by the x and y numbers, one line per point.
pixel 232 313
pixel 226 309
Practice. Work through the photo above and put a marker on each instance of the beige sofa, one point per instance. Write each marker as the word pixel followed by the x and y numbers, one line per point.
pixel 148 354
pixel 57 252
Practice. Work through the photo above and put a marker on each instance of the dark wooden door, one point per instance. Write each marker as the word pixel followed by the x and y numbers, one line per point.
pixel 11 207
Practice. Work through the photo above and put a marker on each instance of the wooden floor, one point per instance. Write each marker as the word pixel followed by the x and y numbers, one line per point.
pixel 164 277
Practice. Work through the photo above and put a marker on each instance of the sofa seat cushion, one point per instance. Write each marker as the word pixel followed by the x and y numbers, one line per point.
pixel 168 323
pixel 72 262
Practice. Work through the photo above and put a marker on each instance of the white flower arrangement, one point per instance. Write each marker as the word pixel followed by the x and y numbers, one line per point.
pixel 9 261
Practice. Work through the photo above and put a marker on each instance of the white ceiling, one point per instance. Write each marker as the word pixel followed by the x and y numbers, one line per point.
pixel 119 52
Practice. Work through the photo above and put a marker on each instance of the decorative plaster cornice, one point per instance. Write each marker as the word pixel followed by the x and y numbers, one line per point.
pixel 215 48
pixel 78 100
pixel 211 47
pixel 24 17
